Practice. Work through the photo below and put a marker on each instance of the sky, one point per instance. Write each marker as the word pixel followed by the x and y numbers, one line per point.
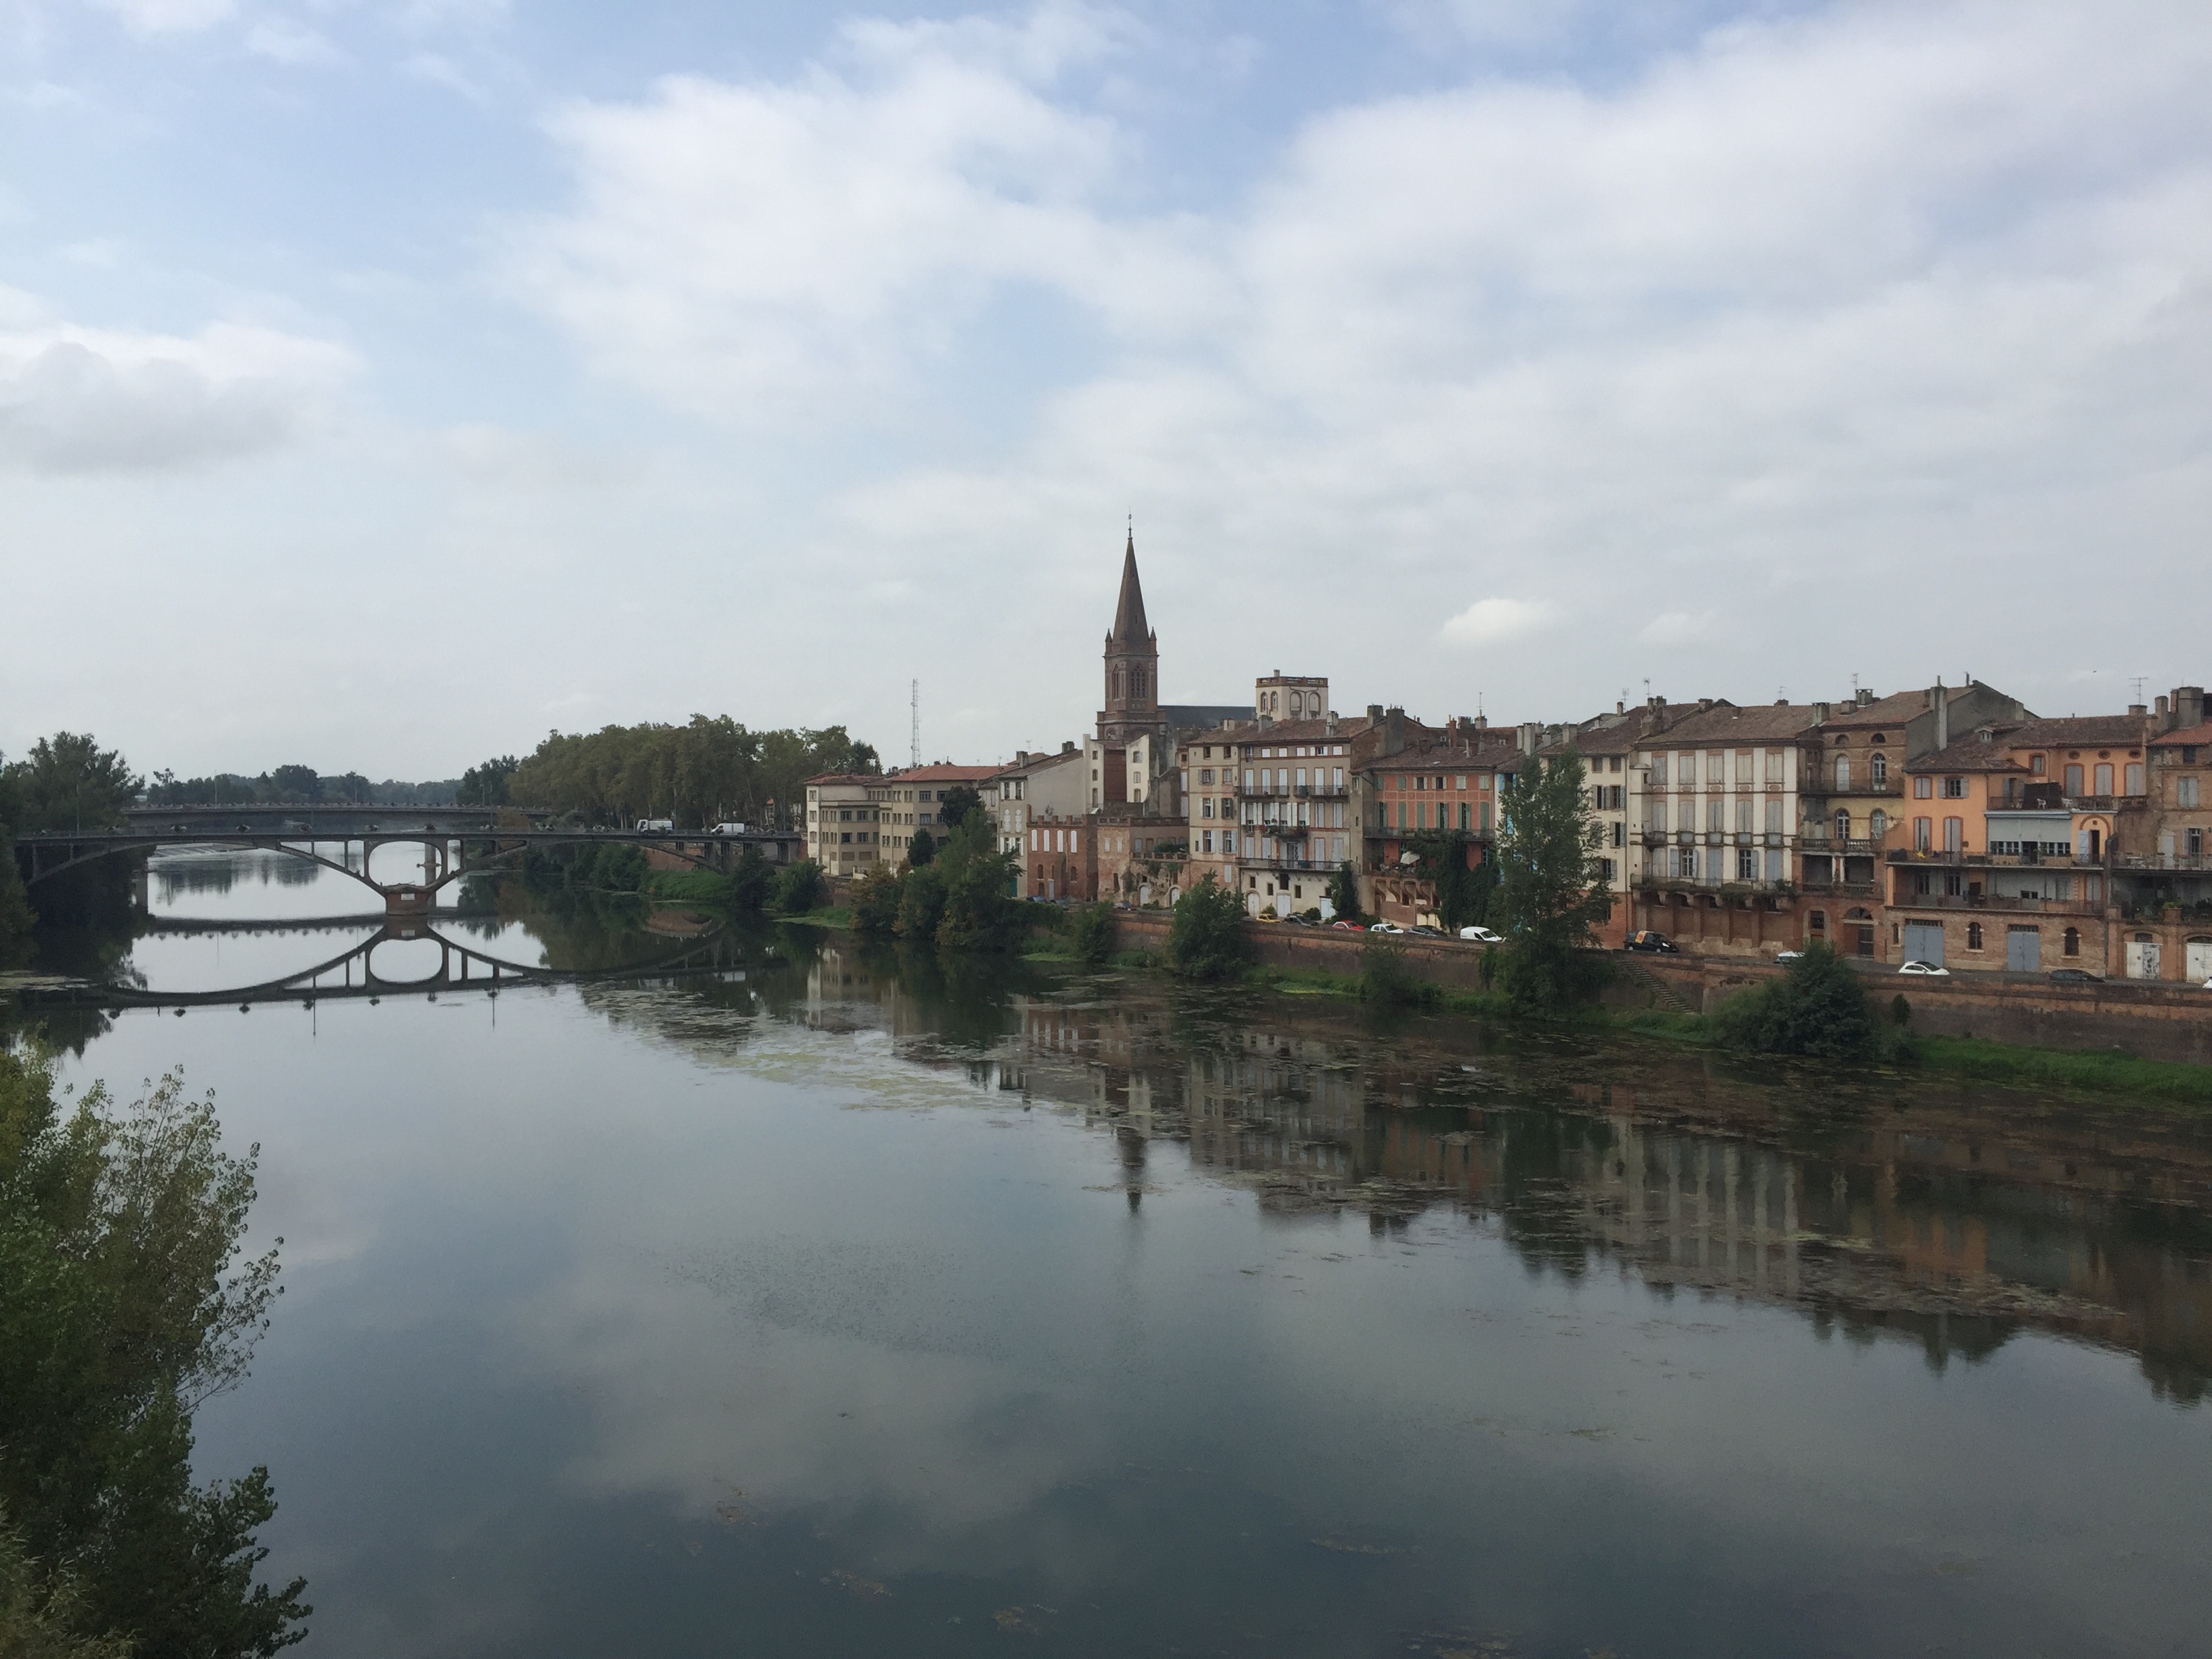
pixel 387 383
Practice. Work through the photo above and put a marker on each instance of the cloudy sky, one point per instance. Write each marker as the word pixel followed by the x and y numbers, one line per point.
pixel 386 382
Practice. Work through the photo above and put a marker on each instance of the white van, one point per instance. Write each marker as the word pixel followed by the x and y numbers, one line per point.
pixel 729 830
pixel 655 826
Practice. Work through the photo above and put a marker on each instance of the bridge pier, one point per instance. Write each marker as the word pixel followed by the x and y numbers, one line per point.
pixel 411 902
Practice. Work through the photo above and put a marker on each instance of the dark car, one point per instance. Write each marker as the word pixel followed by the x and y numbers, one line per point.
pixel 1648 940
pixel 2075 977
pixel 1426 932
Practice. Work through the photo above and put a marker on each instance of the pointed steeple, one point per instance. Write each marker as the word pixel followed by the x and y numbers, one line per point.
pixel 1129 613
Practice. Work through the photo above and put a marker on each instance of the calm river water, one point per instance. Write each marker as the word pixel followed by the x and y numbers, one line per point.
pixel 827 1303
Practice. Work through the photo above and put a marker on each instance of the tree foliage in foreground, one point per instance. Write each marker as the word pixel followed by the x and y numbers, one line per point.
pixel 705 771
pixel 1207 939
pixel 1551 884
pixel 120 1312
pixel 1818 1006
pixel 1091 934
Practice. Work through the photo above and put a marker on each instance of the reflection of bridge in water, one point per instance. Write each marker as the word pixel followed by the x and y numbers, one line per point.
pixel 352 972
pixel 448 855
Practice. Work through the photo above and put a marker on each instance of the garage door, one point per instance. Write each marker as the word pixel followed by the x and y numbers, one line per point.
pixel 2142 956
pixel 1923 942
pixel 2199 960
pixel 2023 950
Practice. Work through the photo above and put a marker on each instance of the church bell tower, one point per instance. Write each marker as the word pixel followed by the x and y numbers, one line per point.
pixel 1132 661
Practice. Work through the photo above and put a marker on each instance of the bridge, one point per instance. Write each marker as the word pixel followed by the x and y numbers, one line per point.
pixel 352 972
pixel 447 854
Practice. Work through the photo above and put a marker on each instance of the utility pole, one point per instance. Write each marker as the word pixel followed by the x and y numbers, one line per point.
pixel 914 757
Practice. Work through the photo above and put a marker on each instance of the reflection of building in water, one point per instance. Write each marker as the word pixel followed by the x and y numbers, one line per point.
pixel 1951 1226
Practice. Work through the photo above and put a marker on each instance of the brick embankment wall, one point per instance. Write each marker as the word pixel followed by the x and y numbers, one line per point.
pixel 2155 1021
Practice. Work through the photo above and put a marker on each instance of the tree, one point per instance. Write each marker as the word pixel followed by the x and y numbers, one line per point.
pixel 876 898
pixel 798 889
pixel 1091 934
pixel 1551 882
pixel 921 904
pixel 1207 938
pixel 119 1315
pixel 68 781
pixel 752 884
pixel 980 911
pixel 1818 1006
pixel 299 783
pixel 486 785
pixel 1344 891
pixel 954 804
pixel 921 849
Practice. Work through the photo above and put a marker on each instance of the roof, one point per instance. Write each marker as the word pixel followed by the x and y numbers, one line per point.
pixel 1129 627
pixel 1610 734
pixel 2077 731
pixel 1203 716
pixel 2194 736
pixel 943 772
pixel 1295 732
pixel 1971 754
pixel 821 778
pixel 1728 723
pixel 1896 708
pixel 1428 749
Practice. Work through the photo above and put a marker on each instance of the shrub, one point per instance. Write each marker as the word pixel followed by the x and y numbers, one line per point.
pixel 921 904
pixel 1091 934
pixel 921 848
pixel 1819 1006
pixel 1206 940
pixel 1387 981
pixel 876 899
pixel 798 889
pixel 752 884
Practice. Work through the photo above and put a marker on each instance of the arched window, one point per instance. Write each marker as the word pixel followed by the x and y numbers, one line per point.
pixel 1843 773
pixel 1973 936
pixel 2073 942
pixel 1843 826
pixel 1877 823
pixel 1817 922
pixel 1119 680
pixel 1878 768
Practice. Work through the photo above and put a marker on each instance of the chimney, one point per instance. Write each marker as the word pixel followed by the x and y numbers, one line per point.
pixel 1375 713
pixel 1527 735
pixel 2137 710
pixel 1266 720
pixel 1821 712
pixel 2189 706
pixel 1482 722
pixel 1620 707
pixel 1068 747
pixel 1704 704
pixel 1331 727
pixel 1942 717
pixel 1655 702
pixel 1394 731
pixel 2165 716
pixel 1866 695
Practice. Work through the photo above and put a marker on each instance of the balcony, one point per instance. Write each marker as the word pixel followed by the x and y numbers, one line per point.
pixel 2184 861
pixel 2000 860
pixel 1302 791
pixel 2011 905
pixel 1859 889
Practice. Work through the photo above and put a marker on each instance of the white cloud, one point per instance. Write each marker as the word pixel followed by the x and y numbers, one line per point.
pixel 1494 621
pixel 167 16
pixel 1678 628
pixel 87 400
pixel 288 41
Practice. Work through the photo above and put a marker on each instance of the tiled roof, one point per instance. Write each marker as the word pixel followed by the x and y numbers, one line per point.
pixel 1971 754
pixel 944 772
pixel 2075 730
pixel 1292 731
pixel 1730 723
pixel 2194 736
pixel 845 777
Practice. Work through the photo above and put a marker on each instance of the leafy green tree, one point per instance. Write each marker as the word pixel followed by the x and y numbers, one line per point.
pixel 921 904
pixel 752 884
pixel 17 919
pixel 1550 882
pixel 1387 981
pixel 119 1315
pixel 486 785
pixel 1207 939
pixel 1344 891
pixel 980 912
pixel 876 899
pixel 921 849
pixel 1818 1006
pixel 798 889
pixel 299 783
pixel 954 804
pixel 1091 934
pixel 709 768
pixel 1464 891
pixel 68 781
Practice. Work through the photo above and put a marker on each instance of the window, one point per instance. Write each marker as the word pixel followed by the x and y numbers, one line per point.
pixel 1743 815
pixel 1878 770
pixel 2184 791
pixel 1774 766
pixel 1877 824
pixel 2193 842
pixel 1460 782
pixel 1954 835
pixel 1336 778
pixel 1843 826
pixel 1659 815
pixel 1746 865
pixel 1923 788
pixel 1206 807
pixel 1954 789
pixel 1659 771
pixel 1973 936
pixel 2105 778
pixel 1843 774
pixel 1773 816
pixel 1485 818
pixel 2134 777
pixel 1206 774
pixel 2071 942
pixel 1620 828
pixel 1714 807
pixel 2073 780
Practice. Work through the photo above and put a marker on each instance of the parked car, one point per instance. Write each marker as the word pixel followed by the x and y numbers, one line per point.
pixel 1349 926
pixel 1302 922
pixel 1425 931
pixel 1482 936
pixel 1788 956
pixel 1648 940
pixel 2075 977
pixel 1384 927
pixel 1925 970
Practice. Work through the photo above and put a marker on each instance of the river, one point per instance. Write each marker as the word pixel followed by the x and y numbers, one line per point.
pixel 792 1297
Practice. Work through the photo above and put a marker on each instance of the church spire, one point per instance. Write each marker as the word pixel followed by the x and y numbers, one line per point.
pixel 1129 614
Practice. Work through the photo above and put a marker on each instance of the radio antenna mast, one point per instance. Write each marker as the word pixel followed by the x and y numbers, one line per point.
pixel 914 703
